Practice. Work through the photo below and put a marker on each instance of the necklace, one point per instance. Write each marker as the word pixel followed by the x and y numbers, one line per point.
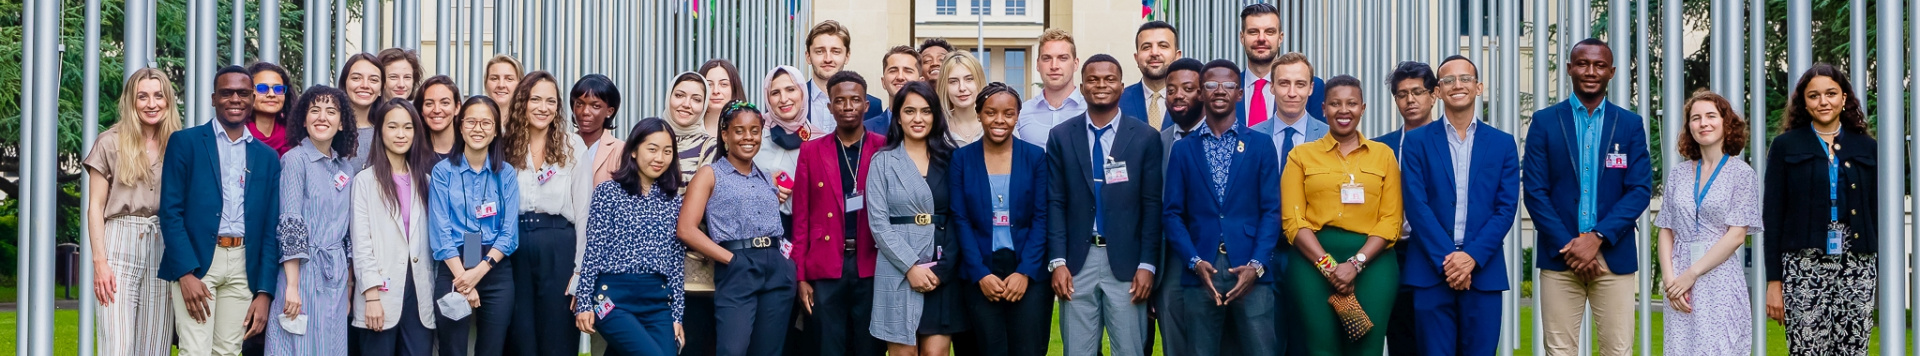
pixel 1836 131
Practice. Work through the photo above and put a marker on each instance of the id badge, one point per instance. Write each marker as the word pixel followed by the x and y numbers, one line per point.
pixel 786 249
pixel 487 210
pixel 1352 193
pixel 855 202
pixel 601 309
pixel 385 283
pixel 546 174
pixel 1116 171
pixel 1836 239
pixel 340 180
pixel 1616 159
pixel 1002 218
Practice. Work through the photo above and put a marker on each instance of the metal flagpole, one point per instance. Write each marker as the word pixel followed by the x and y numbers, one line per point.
pixel 23 319
pixel 90 112
pixel 442 57
pixel 1857 52
pixel 1757 153
pixel 1893 150
pixel 1799 40
pixel 1540 97
pixel 238 38
pixel 473 62
pixel 370 36
pixel 307 64
pixel 322 45
pixel 270 32
pixel 1913 117
pixel 1735 70
pixel 340 52
pixel 39 105
pixel 134 37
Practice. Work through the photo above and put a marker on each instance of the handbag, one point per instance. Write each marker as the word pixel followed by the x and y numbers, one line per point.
pixel 1353 320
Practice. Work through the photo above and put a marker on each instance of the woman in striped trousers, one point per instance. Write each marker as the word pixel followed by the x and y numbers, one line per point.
pixel 124 168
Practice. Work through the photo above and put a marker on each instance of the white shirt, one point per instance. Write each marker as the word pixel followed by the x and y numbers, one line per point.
pixel 1037 117
pixel 566 192
pixel 233 180
pixel 775 160
pixel 819 108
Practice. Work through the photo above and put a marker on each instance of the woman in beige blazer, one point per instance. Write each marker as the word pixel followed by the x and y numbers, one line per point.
pixel 392 265
pixel 594 101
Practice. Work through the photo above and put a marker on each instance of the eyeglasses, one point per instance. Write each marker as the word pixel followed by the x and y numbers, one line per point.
pixel 243 93
pixel 1403 94
pixel 1219 85
pixel 475 123
pixel 1468 79
pixel 274 89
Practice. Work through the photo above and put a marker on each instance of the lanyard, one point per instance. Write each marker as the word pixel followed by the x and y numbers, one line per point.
pixel 1833 180
pixel 1701 189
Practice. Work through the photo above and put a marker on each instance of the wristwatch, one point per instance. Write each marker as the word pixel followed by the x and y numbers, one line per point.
pixel 1359 261
pixel 1055 264
pixel 489 260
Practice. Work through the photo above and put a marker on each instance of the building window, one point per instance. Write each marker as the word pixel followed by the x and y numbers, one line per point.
pixel 1016 8
pixel 1016 70
pixel 986 64
pixel 979 7
pixel 946 7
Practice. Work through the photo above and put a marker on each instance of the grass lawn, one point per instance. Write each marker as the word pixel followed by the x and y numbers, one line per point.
pixel 66 330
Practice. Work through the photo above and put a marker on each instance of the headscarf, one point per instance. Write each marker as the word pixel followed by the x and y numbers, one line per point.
pixel 767 84
pixel 700 113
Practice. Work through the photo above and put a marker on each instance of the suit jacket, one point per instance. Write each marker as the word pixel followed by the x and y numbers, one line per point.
pixel 606 159
pixel 1316 128
pixel 1247 221
pixel 1314 102
pixel 818 227
pixel 1133 103
pixel 879 123
pixel 1493 193
pixel 385 250
pixel 1552 182
pixel 973 211
pixel 190 207
pixel 1130 225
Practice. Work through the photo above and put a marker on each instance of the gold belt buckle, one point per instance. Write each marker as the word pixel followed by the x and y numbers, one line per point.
pixel 763 241
pixel 923 219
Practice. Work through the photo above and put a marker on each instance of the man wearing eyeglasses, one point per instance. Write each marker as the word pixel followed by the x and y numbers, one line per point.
pixel 1412 84
pixel 219 200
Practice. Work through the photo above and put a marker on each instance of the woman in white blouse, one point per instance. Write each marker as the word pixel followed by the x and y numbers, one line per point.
pixel 555 181
pixel 393 268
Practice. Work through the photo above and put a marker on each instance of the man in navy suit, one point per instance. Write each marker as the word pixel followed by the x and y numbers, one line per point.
pixel 1588 179
pixel 1223 220
pixel 1260 39
pixel 1462 191
pixel 901 65
pixel 1412 84
pixel 219 202
pixel 1156 45
pixel 1103 231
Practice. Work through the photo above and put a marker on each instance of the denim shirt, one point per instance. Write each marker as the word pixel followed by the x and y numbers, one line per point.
pixel 459 191
pixel 1587 127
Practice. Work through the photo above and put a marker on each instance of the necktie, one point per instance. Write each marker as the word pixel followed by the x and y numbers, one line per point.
pixel 1257 111
pixel 1155 103
pixel 1099 158
pixel 1286 145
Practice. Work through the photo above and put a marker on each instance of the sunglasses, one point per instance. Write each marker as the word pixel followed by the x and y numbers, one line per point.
pixel 274 89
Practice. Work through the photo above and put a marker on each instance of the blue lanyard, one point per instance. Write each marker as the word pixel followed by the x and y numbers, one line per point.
pixel 1701 189
pixel 1833 180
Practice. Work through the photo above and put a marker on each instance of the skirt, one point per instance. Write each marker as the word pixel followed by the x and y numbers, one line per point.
pixel 1376 288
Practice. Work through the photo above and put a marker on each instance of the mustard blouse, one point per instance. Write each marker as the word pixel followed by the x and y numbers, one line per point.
pixel 1310 189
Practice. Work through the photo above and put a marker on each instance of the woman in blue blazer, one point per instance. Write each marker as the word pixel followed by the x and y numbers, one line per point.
pixel 998 184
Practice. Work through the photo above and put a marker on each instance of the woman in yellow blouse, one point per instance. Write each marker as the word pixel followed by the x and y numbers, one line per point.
pixel 1340 205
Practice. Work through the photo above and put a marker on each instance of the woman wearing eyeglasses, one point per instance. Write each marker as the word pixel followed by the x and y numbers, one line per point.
pixel 475 201
pixel 270 93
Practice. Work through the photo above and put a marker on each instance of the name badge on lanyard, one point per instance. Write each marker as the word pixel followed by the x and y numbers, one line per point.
pixel 1116 171
pixel 1352 193
pixel 546 174
pixel 1836 238
pixel 487 210
pixel 1616 159
pixel 855 202
pixel 340 180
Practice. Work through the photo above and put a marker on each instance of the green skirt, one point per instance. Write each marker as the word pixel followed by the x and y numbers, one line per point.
pixel 1315 323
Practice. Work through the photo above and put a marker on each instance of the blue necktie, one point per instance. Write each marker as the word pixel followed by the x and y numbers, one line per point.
pixel 1099 172
pixel 1286 145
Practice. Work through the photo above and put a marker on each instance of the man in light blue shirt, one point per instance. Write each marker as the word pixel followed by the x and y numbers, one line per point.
pixel 1059 99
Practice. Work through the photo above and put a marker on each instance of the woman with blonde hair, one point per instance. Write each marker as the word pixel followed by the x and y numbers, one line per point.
pixel 958 85
pixel 503 75
pixel 136 317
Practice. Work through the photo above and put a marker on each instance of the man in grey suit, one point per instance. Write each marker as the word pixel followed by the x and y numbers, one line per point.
pixel 1292 85
pixel 1103 209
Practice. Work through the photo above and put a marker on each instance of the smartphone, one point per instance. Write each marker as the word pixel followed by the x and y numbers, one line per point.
pixel 783 180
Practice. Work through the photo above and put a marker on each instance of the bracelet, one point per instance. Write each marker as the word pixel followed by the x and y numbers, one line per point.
pixel 373 299
pixel 1325 265
pixel 1357 265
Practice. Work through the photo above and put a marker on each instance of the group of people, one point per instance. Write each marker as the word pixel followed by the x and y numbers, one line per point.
pixel 1230 210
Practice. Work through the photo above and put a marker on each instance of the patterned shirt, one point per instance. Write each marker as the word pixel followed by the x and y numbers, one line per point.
pixel 1587 129
pixel 628 234
pixel 315 199
pixel 455 201
pixel 742 205
pixel 1220 150
pixel 233 181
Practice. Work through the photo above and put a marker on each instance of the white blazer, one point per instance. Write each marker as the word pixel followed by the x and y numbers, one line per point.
pixel 383 249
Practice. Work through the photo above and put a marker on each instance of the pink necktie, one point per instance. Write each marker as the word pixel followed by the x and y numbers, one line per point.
pixel 1258 110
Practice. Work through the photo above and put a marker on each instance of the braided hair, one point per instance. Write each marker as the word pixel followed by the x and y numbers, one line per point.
pixel 994 88
pixel 737 107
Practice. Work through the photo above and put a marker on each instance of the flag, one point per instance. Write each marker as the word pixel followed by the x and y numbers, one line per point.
pixel 693 6
pixel 1146 9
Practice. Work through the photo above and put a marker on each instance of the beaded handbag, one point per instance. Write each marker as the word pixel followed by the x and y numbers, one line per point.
pixel 1353 320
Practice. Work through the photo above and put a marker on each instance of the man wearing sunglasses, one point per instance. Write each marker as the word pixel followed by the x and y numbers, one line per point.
pixel 219 201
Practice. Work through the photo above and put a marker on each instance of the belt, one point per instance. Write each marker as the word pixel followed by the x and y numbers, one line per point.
pixel 747 244
pixel 1223 248
pixel 230 241
pixel 1098 240
pixel 543 220
pixel 918 219
pixel 852 245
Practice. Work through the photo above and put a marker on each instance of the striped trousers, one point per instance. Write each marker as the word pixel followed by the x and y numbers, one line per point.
pixel 139 322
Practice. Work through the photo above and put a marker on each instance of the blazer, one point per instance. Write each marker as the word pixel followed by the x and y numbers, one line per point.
pixel 1795 212
pixel 973 211
pixel 1316 128
pixel 817 204
pixel 896 188
pixel 1133 103
pixel 1247 221
pixel 1130 226
pixel 386 250
pixel 1315 102
pixel 190 208
pixel 1493 195
pixel 606 159
pixel 1553 185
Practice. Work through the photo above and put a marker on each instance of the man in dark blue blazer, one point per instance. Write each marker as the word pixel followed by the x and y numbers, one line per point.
pixel 219 202
pixel 902 65
pixel 1462 192
pixel 1588 179
pixel 1103 229
pixel 1156 46
pixel 1224 225
pixel 1412 84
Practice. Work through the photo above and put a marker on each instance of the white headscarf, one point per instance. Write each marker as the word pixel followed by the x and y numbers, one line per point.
pixel 767 84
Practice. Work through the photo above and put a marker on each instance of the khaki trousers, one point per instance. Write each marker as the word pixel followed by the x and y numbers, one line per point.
pixel 221 334
pixel 1564 297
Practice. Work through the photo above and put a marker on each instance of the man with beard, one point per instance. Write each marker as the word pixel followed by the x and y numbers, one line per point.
pixel 1182 85
pixel 212 217
pixel 1103 235
pixel 900 65
pixel 1260 38
pixel 1155 45
pixel 1224 244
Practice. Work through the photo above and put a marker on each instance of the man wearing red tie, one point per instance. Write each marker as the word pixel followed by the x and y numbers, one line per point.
pixel 1260 37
